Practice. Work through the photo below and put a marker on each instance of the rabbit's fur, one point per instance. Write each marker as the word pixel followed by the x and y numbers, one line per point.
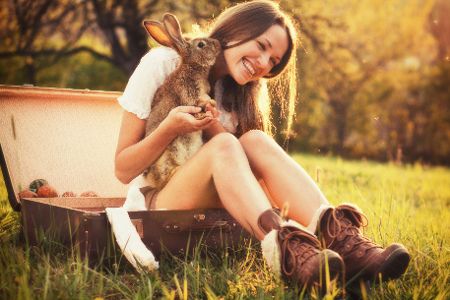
pixel 187 85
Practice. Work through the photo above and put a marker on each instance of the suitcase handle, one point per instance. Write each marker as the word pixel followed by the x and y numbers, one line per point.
pixel 174 227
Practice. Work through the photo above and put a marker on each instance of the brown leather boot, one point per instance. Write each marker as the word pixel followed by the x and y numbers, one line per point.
pixel 295 253
pixel 340 230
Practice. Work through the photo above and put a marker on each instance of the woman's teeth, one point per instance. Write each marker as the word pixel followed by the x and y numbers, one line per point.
pixel 248 66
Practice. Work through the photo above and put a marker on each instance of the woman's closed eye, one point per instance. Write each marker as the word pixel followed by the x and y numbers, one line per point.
pixel 263 47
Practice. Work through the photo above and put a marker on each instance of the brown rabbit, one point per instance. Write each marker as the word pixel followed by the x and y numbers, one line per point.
pixel 187 85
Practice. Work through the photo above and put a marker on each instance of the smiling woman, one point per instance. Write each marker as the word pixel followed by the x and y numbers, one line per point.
pixel 240 167
pixel 259 41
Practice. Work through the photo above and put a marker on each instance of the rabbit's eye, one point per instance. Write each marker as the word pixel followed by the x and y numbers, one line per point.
pixel 201 44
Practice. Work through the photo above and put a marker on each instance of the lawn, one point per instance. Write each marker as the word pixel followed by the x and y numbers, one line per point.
pixel 408 204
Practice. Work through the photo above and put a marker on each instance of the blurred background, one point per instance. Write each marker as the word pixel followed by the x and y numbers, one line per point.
pixel 374 76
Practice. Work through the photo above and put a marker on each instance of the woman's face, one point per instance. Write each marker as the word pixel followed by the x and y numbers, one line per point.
pixel 255 58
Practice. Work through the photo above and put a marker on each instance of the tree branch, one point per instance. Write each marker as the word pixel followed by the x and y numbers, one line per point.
pixel 56 52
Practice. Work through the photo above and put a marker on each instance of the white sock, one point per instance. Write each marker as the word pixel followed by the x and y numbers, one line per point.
pixel 315 219
pixel 271 252
pixel 135 200
pixel 129 240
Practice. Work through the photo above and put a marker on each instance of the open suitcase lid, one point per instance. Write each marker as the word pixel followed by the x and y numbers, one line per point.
pixel 65 136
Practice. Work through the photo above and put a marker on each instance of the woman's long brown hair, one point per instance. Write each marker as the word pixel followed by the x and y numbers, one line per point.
pixel 251 102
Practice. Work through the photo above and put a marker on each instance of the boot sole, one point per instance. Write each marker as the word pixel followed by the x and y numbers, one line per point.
pixel 336 268
pixel 395 264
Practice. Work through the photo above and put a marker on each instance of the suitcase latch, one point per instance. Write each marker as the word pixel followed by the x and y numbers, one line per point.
pixel 172 228
pixel 199 217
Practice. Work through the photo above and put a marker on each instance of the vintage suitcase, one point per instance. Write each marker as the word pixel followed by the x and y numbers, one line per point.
pixel 68 137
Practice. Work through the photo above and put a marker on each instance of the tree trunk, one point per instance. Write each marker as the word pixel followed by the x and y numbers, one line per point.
pixel 30 70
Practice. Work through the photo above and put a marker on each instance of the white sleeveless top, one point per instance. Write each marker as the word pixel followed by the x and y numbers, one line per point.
pixel 150 74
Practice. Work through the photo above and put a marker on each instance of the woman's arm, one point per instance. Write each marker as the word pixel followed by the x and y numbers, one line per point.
pixel 135 153
pixel 215 127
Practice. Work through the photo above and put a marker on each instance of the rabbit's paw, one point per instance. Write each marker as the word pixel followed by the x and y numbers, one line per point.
pixel 203 103
pixel 200 115
pixel 212 102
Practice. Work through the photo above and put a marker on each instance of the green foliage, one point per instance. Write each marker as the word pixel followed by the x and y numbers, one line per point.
pixel 11 71
pixel 83 71
pixel 80 71
pixel 407 204
pixel 368 86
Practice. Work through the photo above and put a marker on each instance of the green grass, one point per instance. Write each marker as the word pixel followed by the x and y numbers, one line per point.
pixel 407 204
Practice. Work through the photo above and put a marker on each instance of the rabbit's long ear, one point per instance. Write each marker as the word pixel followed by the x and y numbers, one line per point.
pixel 158 32
pixel 173 28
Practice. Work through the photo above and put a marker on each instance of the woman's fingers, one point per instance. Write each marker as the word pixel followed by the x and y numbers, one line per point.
pixel 199 124
pixel 209 114
pixel 213 110
pixel 189 109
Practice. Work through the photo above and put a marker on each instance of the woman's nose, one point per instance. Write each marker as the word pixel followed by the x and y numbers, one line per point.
pixel 264 61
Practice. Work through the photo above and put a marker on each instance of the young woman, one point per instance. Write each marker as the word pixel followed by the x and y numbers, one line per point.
pixel 240 167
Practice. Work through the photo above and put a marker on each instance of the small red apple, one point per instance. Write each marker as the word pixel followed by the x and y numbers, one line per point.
pixel 46 191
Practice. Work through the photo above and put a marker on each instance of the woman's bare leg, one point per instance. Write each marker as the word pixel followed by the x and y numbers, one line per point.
pixel 221 170
pixel 218 175
pixel 285 180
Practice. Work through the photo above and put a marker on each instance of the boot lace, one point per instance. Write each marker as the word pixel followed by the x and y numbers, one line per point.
pixel 344 225
pixel 298 245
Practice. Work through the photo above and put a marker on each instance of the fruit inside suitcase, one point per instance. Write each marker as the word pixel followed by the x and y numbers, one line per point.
pixel 68 137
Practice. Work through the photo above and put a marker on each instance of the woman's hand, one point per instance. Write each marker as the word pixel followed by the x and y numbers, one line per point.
pixel 181 121
pixel 214 127
pixel 215 113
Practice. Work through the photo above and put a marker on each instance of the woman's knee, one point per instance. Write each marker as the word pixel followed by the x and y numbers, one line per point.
pixel 225 144
pixel 255 139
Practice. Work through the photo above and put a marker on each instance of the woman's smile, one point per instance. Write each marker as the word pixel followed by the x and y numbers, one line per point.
pixel 248 67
